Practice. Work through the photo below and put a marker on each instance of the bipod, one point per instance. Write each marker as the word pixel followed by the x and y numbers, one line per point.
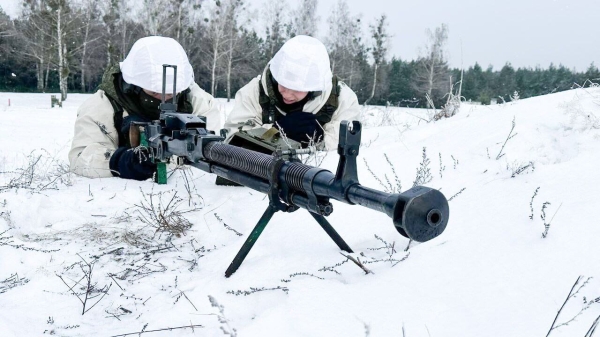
pixel 276 205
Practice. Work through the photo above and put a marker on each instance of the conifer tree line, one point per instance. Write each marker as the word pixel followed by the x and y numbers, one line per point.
pixel 65 46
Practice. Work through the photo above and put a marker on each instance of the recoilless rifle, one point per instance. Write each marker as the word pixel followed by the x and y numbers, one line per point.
pixel 420 213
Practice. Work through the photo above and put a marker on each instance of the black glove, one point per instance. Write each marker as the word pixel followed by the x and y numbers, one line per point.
pixel 132 163
pixel 300 126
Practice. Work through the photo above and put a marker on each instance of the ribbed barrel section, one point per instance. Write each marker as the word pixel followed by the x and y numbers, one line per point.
pixel 254 163
pixel 294 174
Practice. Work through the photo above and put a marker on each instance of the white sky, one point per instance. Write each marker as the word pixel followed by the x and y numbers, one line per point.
pixel 523 32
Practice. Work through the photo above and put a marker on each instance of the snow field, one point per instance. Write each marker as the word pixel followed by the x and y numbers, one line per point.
pixel 489 274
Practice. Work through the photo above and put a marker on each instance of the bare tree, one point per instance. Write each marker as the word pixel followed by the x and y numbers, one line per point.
pixel 121 31
pixel 63 66
pixel 6 25
pixel 91 35
pixel 110 16
pixel 379 48
pixel 157 16
pixel 432 73
pixel 73 29
pixel 7 31
pixel 193 42
pixel 216 40
pixel 233 11
pixel 65 21
pixel 129 30
pixel 179 4
pixel 33 30
pixel 275 27
pixel 305 20
pixel 184 16
pixel 343 41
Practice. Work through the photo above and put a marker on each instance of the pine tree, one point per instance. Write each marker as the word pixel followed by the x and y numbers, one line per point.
pixel 592 74
pixel 400 89
pixel 506 80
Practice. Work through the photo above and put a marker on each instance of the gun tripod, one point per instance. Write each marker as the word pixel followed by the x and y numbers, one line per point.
pixel 264 221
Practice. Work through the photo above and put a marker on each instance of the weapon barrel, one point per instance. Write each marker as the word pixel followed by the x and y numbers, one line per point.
pixel 420 213
pixel 252 182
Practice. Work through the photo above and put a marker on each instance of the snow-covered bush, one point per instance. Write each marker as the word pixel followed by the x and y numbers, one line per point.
pixel 162 212
pixel 423 171
pixel 584 109
pixel 515 97
pixel 388 186
pixel 373 116
pixel 451 108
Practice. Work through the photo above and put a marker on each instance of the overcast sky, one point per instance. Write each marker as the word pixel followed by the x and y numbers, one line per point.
pixel 525 33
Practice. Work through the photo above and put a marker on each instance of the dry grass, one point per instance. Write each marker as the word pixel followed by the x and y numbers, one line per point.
pixel 41 171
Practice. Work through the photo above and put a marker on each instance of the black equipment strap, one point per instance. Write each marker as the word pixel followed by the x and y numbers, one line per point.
pixel 118 119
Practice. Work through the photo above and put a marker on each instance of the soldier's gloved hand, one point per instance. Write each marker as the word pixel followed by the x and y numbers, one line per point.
pixel 301 126
pixel 132 163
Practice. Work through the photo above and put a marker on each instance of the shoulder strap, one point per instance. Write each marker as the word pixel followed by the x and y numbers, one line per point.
pixel 325 115
pixel 117 119
pixel 267 104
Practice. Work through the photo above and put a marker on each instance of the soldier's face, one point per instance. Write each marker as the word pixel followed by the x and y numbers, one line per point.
pixel 291 96
pixel 158 95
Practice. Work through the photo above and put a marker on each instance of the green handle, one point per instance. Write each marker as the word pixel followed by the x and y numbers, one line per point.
pixel 161 167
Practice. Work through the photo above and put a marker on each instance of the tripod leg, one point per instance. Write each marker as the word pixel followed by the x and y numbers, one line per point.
pixel 331 232
pixel 241 255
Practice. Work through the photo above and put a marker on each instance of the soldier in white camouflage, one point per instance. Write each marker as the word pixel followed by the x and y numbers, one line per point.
pixel 131 91
pixel 298 94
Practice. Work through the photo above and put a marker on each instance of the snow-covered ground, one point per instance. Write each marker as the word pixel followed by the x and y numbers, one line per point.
pixel 491 273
